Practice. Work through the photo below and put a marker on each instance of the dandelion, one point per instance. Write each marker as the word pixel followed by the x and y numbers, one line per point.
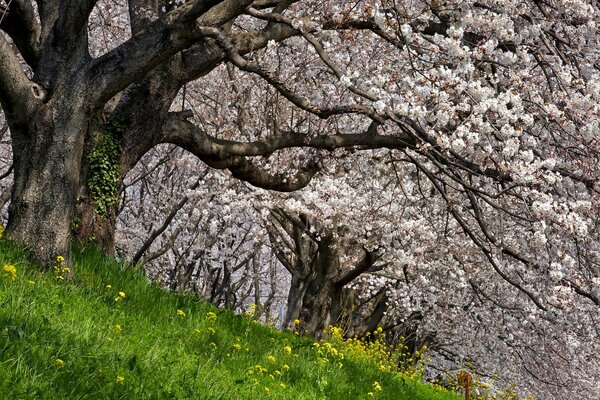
pixel 285 367
pixel 31 282
pixel 211 331
pixel 271 359
pixel 58 362
pixel 296 322
pixel 120 296
pixel 10 271
pixel 237 346
pixel 120 379
pixel 282 385
pixel 108 286
pixel 287 350
pixel 180 313
pixel 118 328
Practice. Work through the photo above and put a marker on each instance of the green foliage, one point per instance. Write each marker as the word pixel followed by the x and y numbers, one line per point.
pixel 108 334
pixel 104 174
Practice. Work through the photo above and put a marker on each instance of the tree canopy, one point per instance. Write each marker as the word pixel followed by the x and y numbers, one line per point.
pixel 446 151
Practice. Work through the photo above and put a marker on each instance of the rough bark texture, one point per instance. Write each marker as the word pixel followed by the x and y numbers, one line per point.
pixel 47 168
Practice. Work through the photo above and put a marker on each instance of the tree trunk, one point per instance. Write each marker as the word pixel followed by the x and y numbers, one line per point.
pixel 321 303
pixel 47 164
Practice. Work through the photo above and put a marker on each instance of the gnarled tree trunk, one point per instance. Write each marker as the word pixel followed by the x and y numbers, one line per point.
pixel 318 295
pixel 47 164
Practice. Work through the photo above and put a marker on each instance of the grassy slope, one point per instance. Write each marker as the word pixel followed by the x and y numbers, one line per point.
pixel 158 354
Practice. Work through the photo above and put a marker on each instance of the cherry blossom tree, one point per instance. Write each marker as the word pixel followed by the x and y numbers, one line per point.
pixel 476 121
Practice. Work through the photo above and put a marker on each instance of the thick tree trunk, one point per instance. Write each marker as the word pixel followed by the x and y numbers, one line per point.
pixel 321 303
pixel 47 162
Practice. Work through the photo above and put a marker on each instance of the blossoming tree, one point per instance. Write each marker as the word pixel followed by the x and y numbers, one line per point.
pixel 483 114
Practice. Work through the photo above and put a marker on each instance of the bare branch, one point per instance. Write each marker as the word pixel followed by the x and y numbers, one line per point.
pixel 190 137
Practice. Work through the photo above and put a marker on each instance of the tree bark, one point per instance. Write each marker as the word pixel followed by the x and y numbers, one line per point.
pixel 47 164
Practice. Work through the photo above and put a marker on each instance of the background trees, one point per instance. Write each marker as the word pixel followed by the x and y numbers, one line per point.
pixel 476 187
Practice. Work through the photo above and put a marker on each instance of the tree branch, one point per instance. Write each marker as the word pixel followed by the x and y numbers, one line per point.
pixel 123 65
pixel 20 23
pixel 190 137
pixel 16 96
pixel 363 265
pixel 280 86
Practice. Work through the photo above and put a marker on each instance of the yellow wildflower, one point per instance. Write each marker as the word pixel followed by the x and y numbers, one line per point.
pixel 285 367
pixel 181 313
pixel 271 359
pixel 287 350
pixel 296 322
pixel 10 271
pixel 31 282
pixel 120 296
pixel 211 317
pixel 58 362
pixel 120 379
pixel 377 386
pixel 108 286
pixel 118 328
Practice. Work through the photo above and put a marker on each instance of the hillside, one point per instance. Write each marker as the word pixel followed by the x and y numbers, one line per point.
pixel 108 334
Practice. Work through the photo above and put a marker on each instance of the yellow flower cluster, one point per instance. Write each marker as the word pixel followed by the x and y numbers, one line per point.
pixel 120 297
pixel 181 313
pixel 373 350
pixel 376 389
pixel 9 271
pixel 264 376
pixel 251 311
pixel 60 269
pixel 211 317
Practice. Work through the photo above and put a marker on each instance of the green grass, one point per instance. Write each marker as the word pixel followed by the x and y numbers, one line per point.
pixel 158 354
